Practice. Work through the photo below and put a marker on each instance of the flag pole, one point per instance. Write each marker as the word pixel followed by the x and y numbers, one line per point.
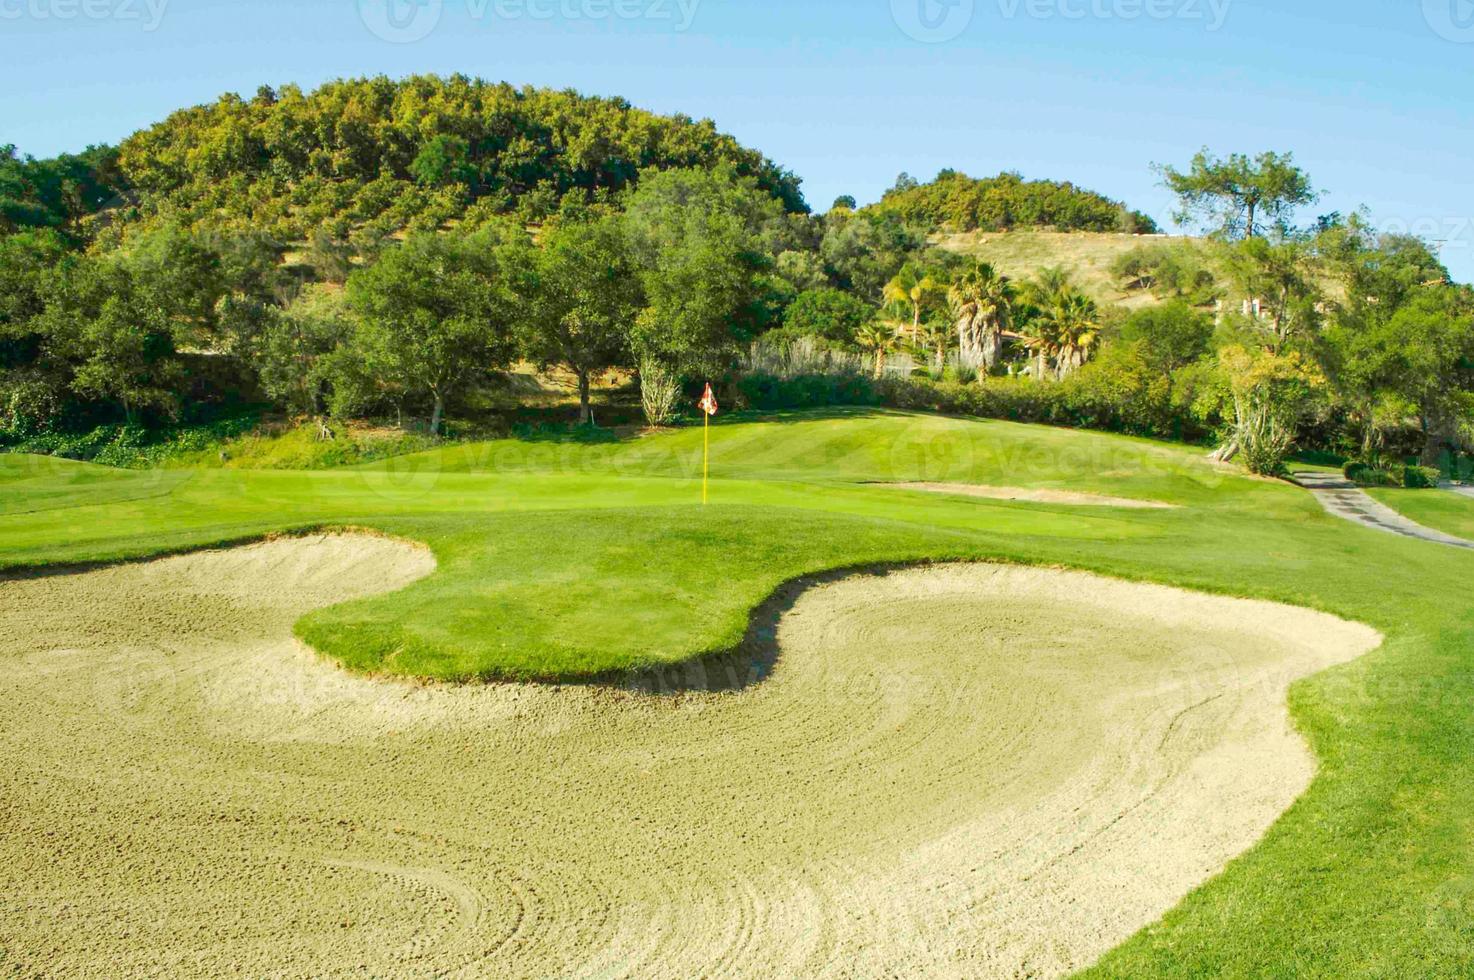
pixel 705 452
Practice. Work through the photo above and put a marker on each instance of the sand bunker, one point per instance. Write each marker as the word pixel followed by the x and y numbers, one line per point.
pixel 1033 496
pixel 964 770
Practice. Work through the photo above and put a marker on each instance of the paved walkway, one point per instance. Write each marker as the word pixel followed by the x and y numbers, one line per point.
pixel 1345 500
pixel 1463 488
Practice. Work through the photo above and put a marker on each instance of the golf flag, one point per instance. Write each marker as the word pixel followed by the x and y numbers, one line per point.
pixel 708 409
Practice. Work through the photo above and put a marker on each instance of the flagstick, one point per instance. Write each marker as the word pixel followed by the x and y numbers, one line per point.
pixel 705 452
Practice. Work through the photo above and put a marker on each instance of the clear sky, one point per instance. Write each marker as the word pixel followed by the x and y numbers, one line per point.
pixel 1372 96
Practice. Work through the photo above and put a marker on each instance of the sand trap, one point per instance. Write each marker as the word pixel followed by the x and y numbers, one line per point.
pixel 1032 496
pixel 964 770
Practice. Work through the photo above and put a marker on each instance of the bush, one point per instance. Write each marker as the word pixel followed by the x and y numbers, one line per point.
pixel 1420 477
pixel 1367 475
pixel 1114 395
pixel 1409 477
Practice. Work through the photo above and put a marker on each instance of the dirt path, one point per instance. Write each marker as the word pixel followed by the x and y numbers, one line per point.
pixel 964 770
pixel 1345 500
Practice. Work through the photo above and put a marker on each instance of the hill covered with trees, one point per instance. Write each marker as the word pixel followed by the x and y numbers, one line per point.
pixel 414 152
pixel 387 251
pixel 956 202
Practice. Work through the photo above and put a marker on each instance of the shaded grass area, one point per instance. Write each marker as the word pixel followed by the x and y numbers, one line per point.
pixel 561 561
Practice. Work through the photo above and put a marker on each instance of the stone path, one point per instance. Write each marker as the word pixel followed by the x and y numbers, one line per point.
pixel 1345 500
pixel 1461 488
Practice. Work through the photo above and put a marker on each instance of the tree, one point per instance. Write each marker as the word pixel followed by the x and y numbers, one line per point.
pixel 445 159
pixel 1168 272
pixel 1170 337
pixel 433 313
pixel 1064 333
pixel 1269 393
pixel 802 271
pixel 292 351
pixel 864 250
pixel 119 342
pixel 696 241
pixel 879 340
pixel 580 299
pixel 844 202
pixel 957 202
pixel 916 292
pixel 834 315
pixel 1404 366
pixel 1243 198
pixel 1279 283
pixel 982 306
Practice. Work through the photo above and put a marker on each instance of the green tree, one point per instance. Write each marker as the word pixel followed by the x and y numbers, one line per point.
pixel 445 159
pixel 981 303
pixel 1170 337
pixel 1063 333
pixel 580 298
pixel 1411 364
pixel 119 342
pixel 832 314
pixel 1239 196
pixel 291 353
pixel 697 244
pixel 877 340
pixel 1269 394
pixel 864 250
pixel 434 313
pixel 916 293
pixel 1280 287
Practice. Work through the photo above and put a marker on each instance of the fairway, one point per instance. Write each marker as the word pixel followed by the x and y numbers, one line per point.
pixel 820 726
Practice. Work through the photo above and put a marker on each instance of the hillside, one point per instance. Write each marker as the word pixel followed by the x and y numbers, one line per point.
pixel 1088 256
pixel 376 155
pixel 956 202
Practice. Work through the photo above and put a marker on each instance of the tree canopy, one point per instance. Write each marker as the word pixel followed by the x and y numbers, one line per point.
pixel 961 203
pixel 1239 197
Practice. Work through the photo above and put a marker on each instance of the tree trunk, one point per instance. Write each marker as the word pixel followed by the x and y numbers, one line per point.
pixel 437 414
pixel 991 344
pixel 585 411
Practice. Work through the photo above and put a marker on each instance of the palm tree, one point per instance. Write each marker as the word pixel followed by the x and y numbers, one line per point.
pixel 914 291
pixel 1064 333
pixel 879 339
pixel 981 301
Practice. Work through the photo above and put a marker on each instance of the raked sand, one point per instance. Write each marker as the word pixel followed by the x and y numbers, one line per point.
pixel 953 771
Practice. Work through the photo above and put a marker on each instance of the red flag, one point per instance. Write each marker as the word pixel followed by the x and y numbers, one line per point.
pixel 709 401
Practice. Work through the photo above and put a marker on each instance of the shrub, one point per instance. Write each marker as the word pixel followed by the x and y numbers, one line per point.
pixel 660 389
pixel 1367 475
pixel 1420 477
pixel 1410 477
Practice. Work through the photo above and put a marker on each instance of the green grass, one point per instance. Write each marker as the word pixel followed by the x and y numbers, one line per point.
pixel 563 560
pixel 1441 510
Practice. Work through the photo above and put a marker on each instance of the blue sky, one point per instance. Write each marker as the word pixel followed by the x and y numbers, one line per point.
pixel 1372 96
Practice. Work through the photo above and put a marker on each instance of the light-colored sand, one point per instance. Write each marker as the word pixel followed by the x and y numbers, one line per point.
pixel 1033 495
pixel 963 770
